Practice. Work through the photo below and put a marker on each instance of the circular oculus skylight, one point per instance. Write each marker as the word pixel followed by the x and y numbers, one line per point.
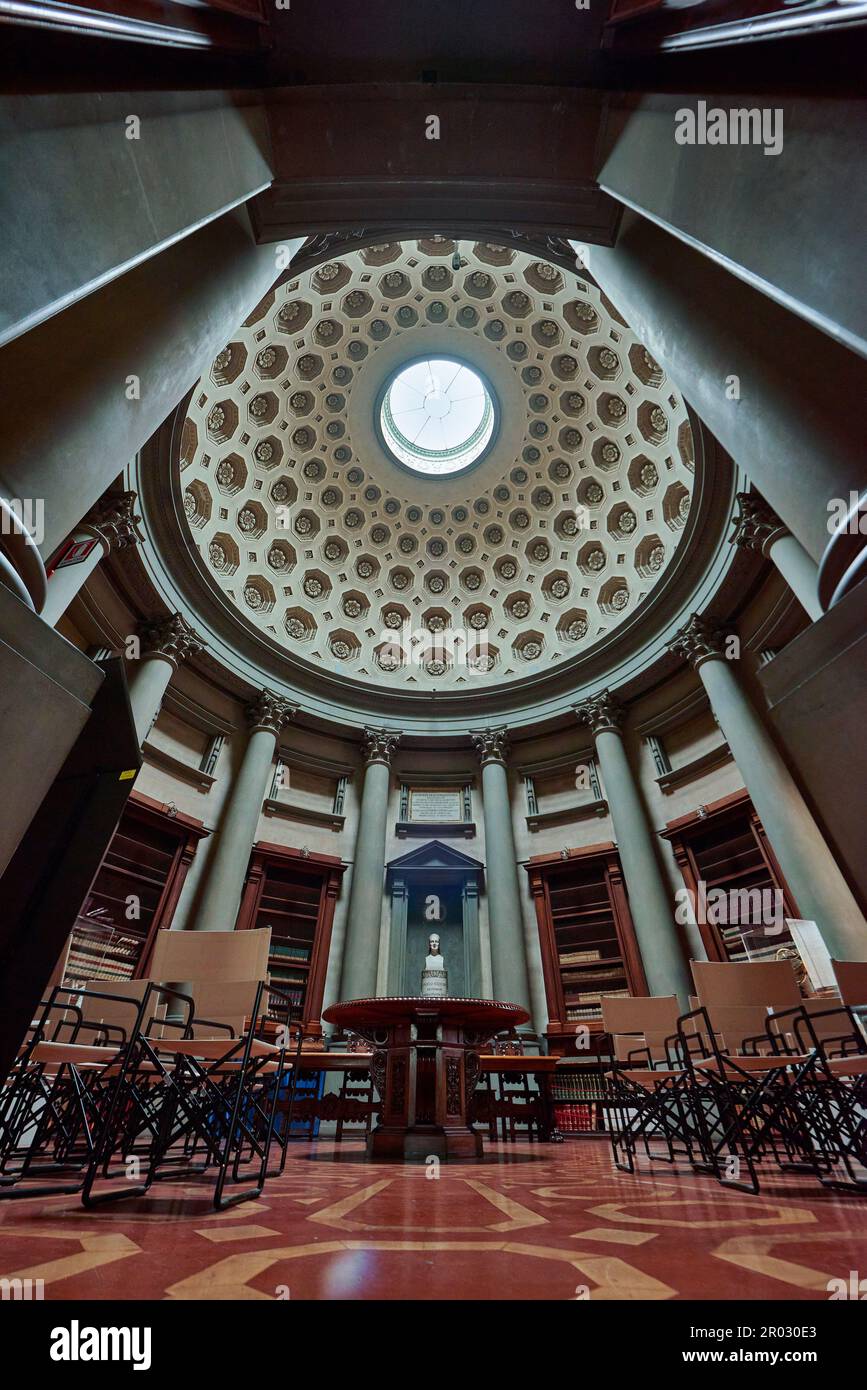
pixel 437 416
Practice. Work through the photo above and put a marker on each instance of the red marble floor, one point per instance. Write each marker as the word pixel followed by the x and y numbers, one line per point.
pixel 529 1221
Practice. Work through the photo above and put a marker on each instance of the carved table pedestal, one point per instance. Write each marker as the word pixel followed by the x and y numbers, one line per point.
pixel 425 1068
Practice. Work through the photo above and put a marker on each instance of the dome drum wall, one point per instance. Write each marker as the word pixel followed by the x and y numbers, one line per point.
pixel 512 578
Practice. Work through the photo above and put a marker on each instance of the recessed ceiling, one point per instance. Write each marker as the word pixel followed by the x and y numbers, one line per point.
pixel 348 556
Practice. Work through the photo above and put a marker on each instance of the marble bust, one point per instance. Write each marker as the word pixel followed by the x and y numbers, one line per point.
pixel 434 976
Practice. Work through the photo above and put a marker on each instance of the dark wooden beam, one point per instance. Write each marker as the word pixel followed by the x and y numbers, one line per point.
pixel 361 156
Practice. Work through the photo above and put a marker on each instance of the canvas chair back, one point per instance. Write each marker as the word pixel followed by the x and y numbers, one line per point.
pixel 768 982
pixel 118 1012
pixel 650 1019
pixel 211 955
pixel 229 1003
pixel 827 1022
pixel 734 1023
pixel 851 977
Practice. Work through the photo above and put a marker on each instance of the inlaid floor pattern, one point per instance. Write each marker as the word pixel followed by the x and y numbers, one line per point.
pixel 529 1221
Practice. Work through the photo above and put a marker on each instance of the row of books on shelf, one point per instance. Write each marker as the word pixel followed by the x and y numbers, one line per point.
pixel 585 1090
pixel 288 980
pixel 593 977
pixel 127 948
pixel 596 996
pixel 580 1084
pixel 577 1119
pixel 292 952
pixel 101 953
pixel 584 1013
pixel 295 997
pixel 77 974
pixel 579 957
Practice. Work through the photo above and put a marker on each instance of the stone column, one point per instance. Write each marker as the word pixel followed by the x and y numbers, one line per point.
pixel 650 901
pixel 230 856
pixel 757 527
pixel 506 920
pixel 781 396
pixel 808 866
pixel 112 523
pixel 361 951
pixel 757 239
pixel 129 351
pixel 105 197
pixel 164 645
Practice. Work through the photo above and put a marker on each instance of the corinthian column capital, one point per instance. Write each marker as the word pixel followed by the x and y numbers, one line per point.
pixel 271 712
pixel 756 525
pixel 379 744
pixel 171 638
pixel 491 746
pixel 702 639
pixel 115 522
pixel 602 712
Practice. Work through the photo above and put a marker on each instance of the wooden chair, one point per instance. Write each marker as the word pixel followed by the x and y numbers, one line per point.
pixel 356 1102
pixel 305 1102
pixel 511 1101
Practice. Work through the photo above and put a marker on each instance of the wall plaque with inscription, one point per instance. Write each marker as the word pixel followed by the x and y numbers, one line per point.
pixel 436 804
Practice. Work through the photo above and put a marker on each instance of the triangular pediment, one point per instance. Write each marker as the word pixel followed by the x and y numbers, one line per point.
pixel 435 855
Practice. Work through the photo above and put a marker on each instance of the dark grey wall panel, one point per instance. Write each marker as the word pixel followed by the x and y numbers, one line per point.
pixel 80 202
pixel 47 687
pixel 790 223
pixel 162 322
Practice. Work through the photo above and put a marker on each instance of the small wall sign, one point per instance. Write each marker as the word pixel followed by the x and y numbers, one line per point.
pixel 436 804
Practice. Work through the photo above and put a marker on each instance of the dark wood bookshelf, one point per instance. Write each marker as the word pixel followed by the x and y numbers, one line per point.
pixel 587 939
pixel 294 893
pixel 134 894
pixel 580 1095
pixel 724 846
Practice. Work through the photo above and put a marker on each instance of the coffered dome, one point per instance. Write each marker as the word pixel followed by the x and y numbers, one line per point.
pixel 441 476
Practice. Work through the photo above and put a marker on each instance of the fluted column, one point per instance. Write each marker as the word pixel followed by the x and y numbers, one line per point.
pixel 361 952
pixel 650 901
pixel 808 865
pixel 164 645
pixel 227 865
pixel 113 524
pixel 506 920
pixel 758 528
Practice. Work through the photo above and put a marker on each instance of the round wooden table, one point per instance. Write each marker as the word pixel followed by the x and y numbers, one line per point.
pixel 425 1068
